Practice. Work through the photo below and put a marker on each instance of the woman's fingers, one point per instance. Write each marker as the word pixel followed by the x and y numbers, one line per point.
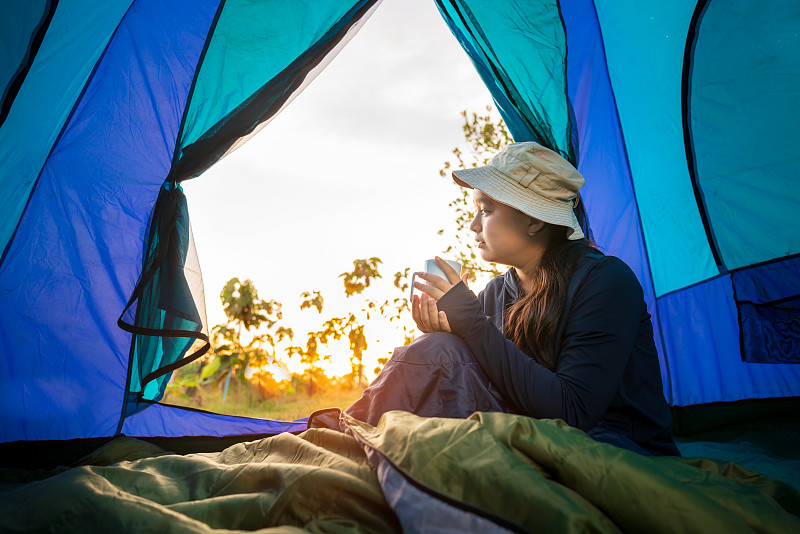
pixel 416 314
pixel 432 313
pixel 435 281
pixel 431 290
pixel 426 315
pixel 452 275
pixel 465 279
pixel 444 324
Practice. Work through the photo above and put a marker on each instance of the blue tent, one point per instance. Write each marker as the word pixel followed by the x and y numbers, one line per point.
pixel 682 116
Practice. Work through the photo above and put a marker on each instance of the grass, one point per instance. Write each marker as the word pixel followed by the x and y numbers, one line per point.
pixel 245 401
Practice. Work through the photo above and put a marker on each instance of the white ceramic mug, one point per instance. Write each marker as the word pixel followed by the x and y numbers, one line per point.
pixel 432 268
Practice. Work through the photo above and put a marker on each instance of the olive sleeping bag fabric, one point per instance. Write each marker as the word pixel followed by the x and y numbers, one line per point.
pixel 491 472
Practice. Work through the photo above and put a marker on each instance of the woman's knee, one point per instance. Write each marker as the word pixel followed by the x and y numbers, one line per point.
pixel 436 347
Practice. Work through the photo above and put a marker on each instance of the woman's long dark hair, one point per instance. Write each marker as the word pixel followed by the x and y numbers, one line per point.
pixel 532 321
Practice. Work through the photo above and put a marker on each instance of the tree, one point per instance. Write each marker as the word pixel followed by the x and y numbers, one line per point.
pixel 485 138
pixel 310 355
pixel 401 307
pixel 244 310
pixel 311 358
pixel 355 282
pixel 364 271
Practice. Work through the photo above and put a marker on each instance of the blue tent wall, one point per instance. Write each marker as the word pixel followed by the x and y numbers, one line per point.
pixel 609 194
pixel 84 226
pixel 75 255
pixel 76 37
pixel 86 152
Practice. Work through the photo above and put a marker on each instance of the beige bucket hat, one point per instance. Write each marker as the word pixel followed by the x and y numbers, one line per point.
pixel 533 179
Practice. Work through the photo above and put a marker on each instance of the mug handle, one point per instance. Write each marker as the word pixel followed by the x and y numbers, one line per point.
pixel 411 295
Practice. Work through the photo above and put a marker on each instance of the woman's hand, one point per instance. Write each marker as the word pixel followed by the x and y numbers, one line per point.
pixel 423 310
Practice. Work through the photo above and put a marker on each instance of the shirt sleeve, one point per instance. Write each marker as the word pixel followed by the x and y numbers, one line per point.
pixel 602 324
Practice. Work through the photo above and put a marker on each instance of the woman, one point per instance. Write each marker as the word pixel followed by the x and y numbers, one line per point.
pixel 564 333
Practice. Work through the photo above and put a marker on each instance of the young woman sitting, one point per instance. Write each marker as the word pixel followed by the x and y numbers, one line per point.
pixel 564 333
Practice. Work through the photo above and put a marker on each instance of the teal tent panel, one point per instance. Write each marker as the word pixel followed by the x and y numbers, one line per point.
pixel 253 41
pixel 18 24
pixel 744 120
pixel 646 78
pixel 519 49
pixel 76 38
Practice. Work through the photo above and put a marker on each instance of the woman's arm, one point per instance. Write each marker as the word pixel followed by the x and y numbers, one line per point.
pixel 603 320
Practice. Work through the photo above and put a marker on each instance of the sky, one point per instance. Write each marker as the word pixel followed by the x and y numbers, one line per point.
pixel 350 169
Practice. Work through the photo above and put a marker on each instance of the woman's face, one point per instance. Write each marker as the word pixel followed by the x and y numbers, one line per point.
pixel 504 234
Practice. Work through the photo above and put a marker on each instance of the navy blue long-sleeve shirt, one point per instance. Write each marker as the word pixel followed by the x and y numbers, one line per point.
pixel 607 371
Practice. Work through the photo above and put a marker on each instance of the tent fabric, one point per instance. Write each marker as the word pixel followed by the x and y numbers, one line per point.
pixel 241 56
pixel 166 420
pixel 76 37
pixel 523 69
pixel 647 85
pixel 742 154
pixel 22 28
pixel 169 327
pixel 246 78
pixel 79 249
pixel 90 210
pixel 743 129
pixel 652 101
pixel 768 306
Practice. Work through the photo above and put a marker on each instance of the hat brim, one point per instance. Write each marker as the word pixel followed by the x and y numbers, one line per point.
pixel 506 191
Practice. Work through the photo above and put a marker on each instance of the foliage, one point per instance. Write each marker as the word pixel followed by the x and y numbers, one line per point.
pixel 184 385
pixel 243 307
pixel 360 277
pixel 310 300
pixel 311 358
pixel 391 309
pixel 352 326
pixel 485 138
pixel 401 306
pixel 244 310
pixel 268 387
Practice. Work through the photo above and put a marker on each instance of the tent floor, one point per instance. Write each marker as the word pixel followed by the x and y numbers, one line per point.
pixel 765 441
pixel 767 446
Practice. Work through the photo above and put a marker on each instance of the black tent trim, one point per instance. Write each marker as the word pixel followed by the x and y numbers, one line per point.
pixel 11 91
pixel 691 161
pixel 262 105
